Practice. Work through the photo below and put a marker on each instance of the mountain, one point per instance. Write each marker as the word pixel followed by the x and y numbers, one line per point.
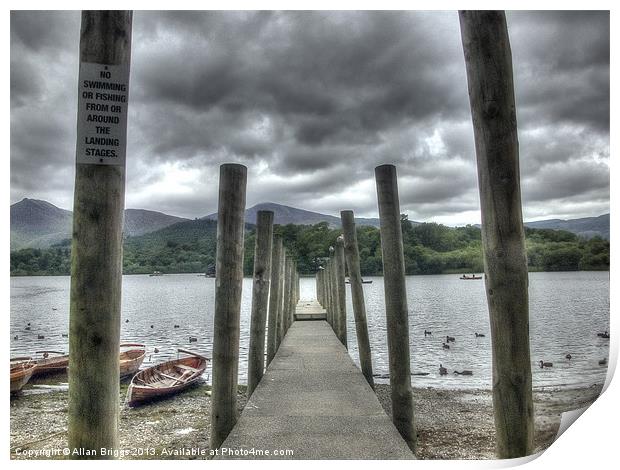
pixel 586 227
pixel 40 224
pixel 284 215
pixel 141 221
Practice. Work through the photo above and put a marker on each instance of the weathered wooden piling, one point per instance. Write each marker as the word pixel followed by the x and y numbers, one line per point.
pixel 352 257
pixel 281 300
pixel 341 292
pixel 228 285
pixel 331 285
pixel 488 62
pixel 274 295
pixel 397 314
pixel 260 298
pixel 97 257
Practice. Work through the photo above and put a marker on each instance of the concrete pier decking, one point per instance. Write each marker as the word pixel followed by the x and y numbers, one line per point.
pixel 315 402
pixel 310 310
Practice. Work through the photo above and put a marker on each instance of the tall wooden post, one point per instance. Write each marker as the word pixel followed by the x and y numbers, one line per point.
pixel 282 301
pixel 274 295
pixel 341 292
pixel 397 314
pixel 352 256
pixel 491 95
pixel 228 285
pixel 332 292
pixel 97 244
pixel 260 298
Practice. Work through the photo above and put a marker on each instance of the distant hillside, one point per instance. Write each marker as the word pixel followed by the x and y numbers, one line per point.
pixel 587 227
pixel 40 224
pixel 284 215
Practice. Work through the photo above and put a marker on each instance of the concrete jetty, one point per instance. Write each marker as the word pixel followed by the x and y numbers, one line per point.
pixel 313 403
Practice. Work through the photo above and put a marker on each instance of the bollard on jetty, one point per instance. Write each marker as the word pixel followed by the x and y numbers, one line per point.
pixel 260 298
pixel 341 291
pixel 228 285
pixel 274 295
pixel 352 256
pixel 397 314
pixel 97 252
pixel 488 61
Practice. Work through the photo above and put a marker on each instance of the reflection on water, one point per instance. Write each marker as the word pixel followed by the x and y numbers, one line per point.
pixel 567 310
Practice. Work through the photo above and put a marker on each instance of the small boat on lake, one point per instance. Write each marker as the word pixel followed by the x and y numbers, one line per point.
pixel 51 364
pixel 131 359
pixel 473 277
pixel 167 378
pixel 22 369
pixel 156 273
pixel 364 281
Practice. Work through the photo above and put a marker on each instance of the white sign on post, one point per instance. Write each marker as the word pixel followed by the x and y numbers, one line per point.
pixel 103 93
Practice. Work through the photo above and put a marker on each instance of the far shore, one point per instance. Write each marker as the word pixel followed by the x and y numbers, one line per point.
pixel 451 424
pixel 531 270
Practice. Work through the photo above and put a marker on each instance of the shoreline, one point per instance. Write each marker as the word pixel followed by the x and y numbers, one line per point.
pixel 451 424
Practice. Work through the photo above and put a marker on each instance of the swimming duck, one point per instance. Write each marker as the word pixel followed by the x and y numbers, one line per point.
pixel 479 335
pixel 193 339
pixel 65 335
pixel 445 346
pixel 40 337
pixel 450 339
pixel 155 350
pixel 465 372
pixel 569 357
pixel 442 370
pixel 176 326
pixel 603 335
pixel 602 362
pixel 15 337
pixel 27 328
pixel 152 326
pixel 427 333
pixel 127 321
pixel 545 364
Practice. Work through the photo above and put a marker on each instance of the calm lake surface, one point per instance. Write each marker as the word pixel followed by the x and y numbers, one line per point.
pixel 567 310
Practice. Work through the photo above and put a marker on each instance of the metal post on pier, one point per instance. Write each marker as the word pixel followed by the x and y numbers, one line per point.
pixel 352 256
pixel 97 244
pixel 260 298
pixel 397 313
pixel 228 285
pixel 488 61
pixel 274 295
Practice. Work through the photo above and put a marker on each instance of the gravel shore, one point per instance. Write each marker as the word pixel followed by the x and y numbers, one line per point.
pixel 451 424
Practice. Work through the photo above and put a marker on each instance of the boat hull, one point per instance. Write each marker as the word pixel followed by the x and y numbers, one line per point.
pixel 164 380
pixel 20 375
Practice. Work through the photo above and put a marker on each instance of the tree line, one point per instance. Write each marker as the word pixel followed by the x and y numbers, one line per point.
pixel 429 248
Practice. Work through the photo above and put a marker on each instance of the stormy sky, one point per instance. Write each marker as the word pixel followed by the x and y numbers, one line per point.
pixel 311 103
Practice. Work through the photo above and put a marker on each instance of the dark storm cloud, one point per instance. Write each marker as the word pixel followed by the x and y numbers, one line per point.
pixel 312 102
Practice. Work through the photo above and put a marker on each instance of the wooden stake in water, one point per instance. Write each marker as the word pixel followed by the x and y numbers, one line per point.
pixel 397 314
pixel 491 95
pixel 274 295
pixel 352 256
pixel 228 284
pixel 260 298
pixel 97 247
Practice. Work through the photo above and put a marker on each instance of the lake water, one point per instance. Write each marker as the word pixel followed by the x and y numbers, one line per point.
pixel 567 310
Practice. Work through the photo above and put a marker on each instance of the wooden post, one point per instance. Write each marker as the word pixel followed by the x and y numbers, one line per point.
pixel 331 284
pixel 281 301
pixel 397 314
pixel 97 256
pixel 341 292
pixel 491 95
pixel 228 284
pixel 260 298
pixel 352 256
pixel 274 295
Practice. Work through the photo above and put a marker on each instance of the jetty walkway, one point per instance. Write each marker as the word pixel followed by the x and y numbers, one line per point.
pixel 315 402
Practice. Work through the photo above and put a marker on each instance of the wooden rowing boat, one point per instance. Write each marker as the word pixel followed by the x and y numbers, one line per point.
pixel 51 364
pixel 21 371
pixel 131 359
pixel 166 379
